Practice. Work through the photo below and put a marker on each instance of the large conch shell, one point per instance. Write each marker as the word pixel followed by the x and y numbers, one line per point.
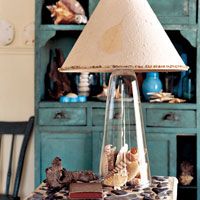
pixel 67 12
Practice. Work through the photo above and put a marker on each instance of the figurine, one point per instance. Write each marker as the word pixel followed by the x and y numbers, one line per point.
pixel 67 12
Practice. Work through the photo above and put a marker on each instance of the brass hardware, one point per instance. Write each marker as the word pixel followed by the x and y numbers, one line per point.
pixel 171 117
pixel 60 115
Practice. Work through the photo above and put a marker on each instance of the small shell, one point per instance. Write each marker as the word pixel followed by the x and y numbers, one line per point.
pixel 119 180
pixel 108 181
pixel 107 162
pixel 104 165
pixel 118 177
pixel 132 169
pixel 122 153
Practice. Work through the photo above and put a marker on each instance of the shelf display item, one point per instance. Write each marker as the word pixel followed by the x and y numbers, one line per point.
pixel 57 84
pixel 29 34
pixel 83 86
pixel 7 32
pixel 152 83
pixel 188 86
pixel 67 12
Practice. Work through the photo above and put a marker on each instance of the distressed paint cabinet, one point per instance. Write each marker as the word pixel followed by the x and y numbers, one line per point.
pixel 74 131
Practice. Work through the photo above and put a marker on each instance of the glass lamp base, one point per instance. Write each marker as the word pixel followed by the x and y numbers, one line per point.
pixel 124 157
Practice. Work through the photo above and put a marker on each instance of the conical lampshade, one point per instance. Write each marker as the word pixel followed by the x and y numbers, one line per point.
pixel 123 34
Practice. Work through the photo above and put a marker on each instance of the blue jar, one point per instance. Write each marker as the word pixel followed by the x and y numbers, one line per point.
pixel 151 83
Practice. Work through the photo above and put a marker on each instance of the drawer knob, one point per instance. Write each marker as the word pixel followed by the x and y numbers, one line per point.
pixel 60 115
pixel 171 117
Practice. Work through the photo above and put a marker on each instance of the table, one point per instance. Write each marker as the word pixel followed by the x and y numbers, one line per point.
pixel 162 187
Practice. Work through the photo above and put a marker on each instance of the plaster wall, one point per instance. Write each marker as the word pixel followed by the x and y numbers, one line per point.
pixel 17 86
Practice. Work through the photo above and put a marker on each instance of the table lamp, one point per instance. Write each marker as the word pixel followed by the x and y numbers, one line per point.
pixel 123 37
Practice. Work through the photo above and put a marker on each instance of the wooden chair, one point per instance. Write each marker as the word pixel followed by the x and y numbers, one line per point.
pixel 13 129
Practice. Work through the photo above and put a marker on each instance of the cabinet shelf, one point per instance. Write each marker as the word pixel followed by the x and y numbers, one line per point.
pixel 180 27
pixel 187 187
pixel 70 27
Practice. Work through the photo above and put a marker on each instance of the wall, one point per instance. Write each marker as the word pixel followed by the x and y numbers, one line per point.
pixel 17 84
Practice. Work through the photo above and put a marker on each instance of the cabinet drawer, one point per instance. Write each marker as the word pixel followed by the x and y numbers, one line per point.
pixel 175 11
pixel 65 116
pixel 171 118
pixel 98 116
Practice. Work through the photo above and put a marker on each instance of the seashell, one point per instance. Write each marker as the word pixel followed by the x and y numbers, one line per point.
pixel 74 6
pixel 186 179
pixel 132 169
pixel 108 181
pixel 104 165
pixel 135 181
pixel 108 159
pixel 72 95
pixel 122 153
pixel 117 177
pixel 67 11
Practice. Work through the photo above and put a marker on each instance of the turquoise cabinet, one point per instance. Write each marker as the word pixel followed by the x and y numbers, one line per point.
pixel 73 131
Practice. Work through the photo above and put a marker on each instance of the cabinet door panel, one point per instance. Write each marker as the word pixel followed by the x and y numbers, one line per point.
pixel 168 12
pixel 162 153
pixel 97 137
pixel 92 5
pixel 74 150
pixel 174 11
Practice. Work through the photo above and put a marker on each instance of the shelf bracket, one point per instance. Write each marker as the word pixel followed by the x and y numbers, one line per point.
pixel 45 36
pixel 190 35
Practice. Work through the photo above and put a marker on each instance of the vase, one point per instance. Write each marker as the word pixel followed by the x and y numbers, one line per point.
pixel 152 83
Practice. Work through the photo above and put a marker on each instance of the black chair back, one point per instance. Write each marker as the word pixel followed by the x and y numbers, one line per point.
pixel 15 128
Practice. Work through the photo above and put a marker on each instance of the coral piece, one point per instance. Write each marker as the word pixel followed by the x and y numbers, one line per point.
pixel 58 177
pixel 54 173
pixel 67 12
pixel 57 84
pixel 186 173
